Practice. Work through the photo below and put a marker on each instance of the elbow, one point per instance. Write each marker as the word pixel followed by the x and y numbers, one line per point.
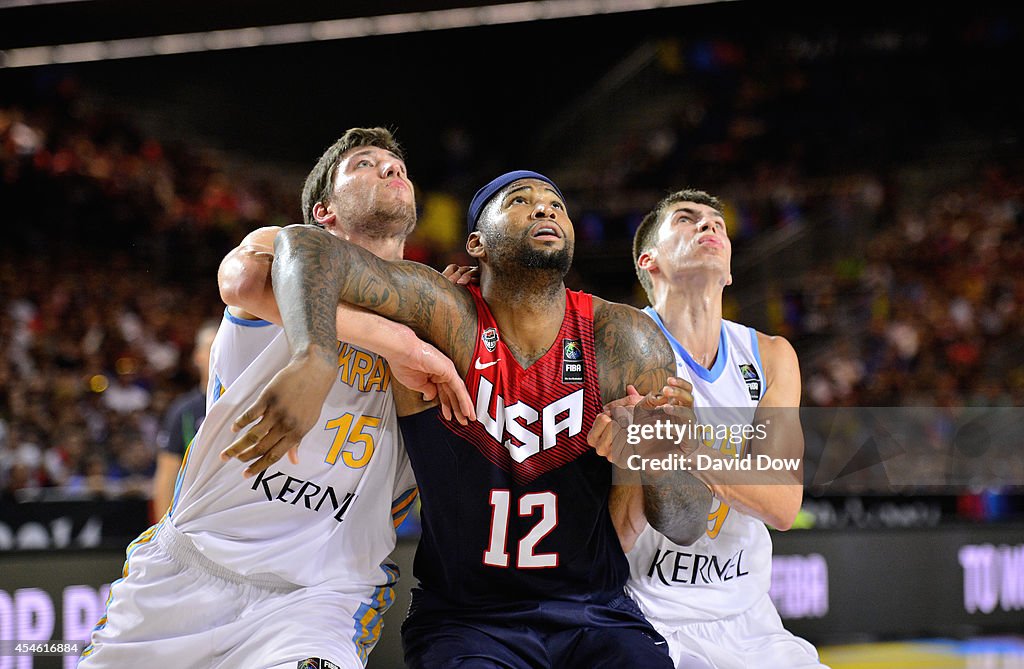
pixel 688 533
pixel 783 523
pixel 243 279
pixel 231 290
pixel 687 524
pixel 785 516
pixel 244 273
pixel 229 279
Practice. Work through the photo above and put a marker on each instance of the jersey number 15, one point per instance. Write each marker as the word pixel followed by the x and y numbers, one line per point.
pixel 351 441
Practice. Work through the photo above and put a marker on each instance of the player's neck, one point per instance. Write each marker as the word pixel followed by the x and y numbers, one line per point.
pixel 385 248
pixel 694 316
pixel 528 308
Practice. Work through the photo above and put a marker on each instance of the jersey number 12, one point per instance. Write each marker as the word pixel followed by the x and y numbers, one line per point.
pixel 497 555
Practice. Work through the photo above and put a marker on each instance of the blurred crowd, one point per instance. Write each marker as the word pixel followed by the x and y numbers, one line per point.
pixel 108 268
pixel 912 293
pixel 931 315
pixel 876 222
pixel 92 356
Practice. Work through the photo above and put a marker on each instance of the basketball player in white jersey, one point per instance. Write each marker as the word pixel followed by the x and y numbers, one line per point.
pixel 710 599
pixel 289 568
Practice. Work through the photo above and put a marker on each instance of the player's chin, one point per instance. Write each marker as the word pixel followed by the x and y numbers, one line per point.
pixel 539 257
pixel 546 245
pixel 713 262
pixel 398 208
pixel 402 196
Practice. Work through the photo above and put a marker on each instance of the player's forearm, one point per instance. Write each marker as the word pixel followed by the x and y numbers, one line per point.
pixel 677 505
pixel 773 504
pixel 315 271
pixel 307 279
pixel 375 333
pixel 245 283
pixel 774 497
pixel 626 507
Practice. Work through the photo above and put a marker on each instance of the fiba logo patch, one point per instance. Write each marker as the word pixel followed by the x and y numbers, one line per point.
pixel 316 663
pixel 572 361
pixel 490 339
pixel 753 380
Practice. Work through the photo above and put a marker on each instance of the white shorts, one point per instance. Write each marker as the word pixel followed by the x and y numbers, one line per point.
pixel 177 606
pixel 754 639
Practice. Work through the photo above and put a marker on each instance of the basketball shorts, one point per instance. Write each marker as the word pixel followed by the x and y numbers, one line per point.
pixel 538 635
pixel 754 638
pixel 177 607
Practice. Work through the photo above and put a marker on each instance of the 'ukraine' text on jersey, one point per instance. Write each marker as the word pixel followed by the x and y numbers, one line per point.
pixel 329 518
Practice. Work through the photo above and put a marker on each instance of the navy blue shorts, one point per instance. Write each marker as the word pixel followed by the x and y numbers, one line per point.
pixel 538 635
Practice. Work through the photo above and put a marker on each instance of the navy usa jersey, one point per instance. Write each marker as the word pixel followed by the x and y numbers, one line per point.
pixel 515 504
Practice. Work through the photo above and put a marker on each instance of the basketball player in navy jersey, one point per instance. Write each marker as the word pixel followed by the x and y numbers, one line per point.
pixel 519 564
pixel 710 599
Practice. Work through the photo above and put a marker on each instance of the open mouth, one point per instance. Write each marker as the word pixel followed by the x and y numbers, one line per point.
pixel 546 232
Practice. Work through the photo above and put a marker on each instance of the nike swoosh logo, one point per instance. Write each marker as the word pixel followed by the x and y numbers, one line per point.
pixel 485 365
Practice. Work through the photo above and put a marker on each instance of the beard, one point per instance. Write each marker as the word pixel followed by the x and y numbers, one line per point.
pixel 380 219
pixel 532 258
pixel 517 254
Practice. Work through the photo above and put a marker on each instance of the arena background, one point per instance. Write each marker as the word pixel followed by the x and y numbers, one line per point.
pixel 869 155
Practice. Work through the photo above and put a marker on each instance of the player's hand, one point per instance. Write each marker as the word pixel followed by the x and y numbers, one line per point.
pixel 284 412
pixel 632 398
pixel 675 393
pixel 461 275
pixel 607 435
pixel 427 371
pixel 674 404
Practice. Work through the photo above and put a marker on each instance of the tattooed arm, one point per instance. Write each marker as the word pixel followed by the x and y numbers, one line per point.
pixel 315 270
pixel 245 286
pixel 631 350
pixel 312 272
pixel 244 279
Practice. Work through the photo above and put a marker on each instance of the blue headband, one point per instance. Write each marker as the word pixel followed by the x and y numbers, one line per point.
pixel 488 191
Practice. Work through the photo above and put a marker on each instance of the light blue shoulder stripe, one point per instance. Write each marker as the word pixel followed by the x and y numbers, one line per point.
pixel 721 360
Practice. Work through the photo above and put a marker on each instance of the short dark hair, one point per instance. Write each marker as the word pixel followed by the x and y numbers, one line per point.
pixel 644 237
pixel 318 183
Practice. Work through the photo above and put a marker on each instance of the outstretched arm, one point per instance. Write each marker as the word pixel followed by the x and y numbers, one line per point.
pixel 631 350
pixel 244 280
pixel 311 272
pixel 315 270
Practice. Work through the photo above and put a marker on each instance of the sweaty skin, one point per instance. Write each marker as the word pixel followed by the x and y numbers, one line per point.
pixel 314 271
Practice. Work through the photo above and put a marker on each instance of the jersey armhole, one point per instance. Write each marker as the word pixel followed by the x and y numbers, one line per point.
pixel 231 318
pixel 756 349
